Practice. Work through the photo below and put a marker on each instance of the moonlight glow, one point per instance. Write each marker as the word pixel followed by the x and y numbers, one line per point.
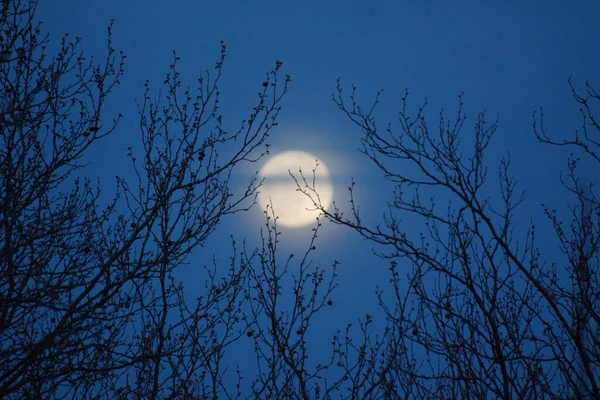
pixel 293 208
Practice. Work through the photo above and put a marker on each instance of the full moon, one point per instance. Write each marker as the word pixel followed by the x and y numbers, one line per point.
pixel 293 208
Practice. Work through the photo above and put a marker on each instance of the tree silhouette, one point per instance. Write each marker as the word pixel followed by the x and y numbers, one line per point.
pixel 480 310
pixel 89 307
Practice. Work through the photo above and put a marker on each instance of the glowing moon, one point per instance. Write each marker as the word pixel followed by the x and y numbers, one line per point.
pixel 293 208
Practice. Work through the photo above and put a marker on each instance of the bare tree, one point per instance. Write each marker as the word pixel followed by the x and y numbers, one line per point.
pixel 285 296
pixel 478 308
pixel 89 307
pixel 89 302
pixel 283 300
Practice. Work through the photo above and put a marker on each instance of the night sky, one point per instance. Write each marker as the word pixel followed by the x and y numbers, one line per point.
pixel 509 58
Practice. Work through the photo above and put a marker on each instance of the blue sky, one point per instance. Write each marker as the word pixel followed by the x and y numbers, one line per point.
pixel 508 57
